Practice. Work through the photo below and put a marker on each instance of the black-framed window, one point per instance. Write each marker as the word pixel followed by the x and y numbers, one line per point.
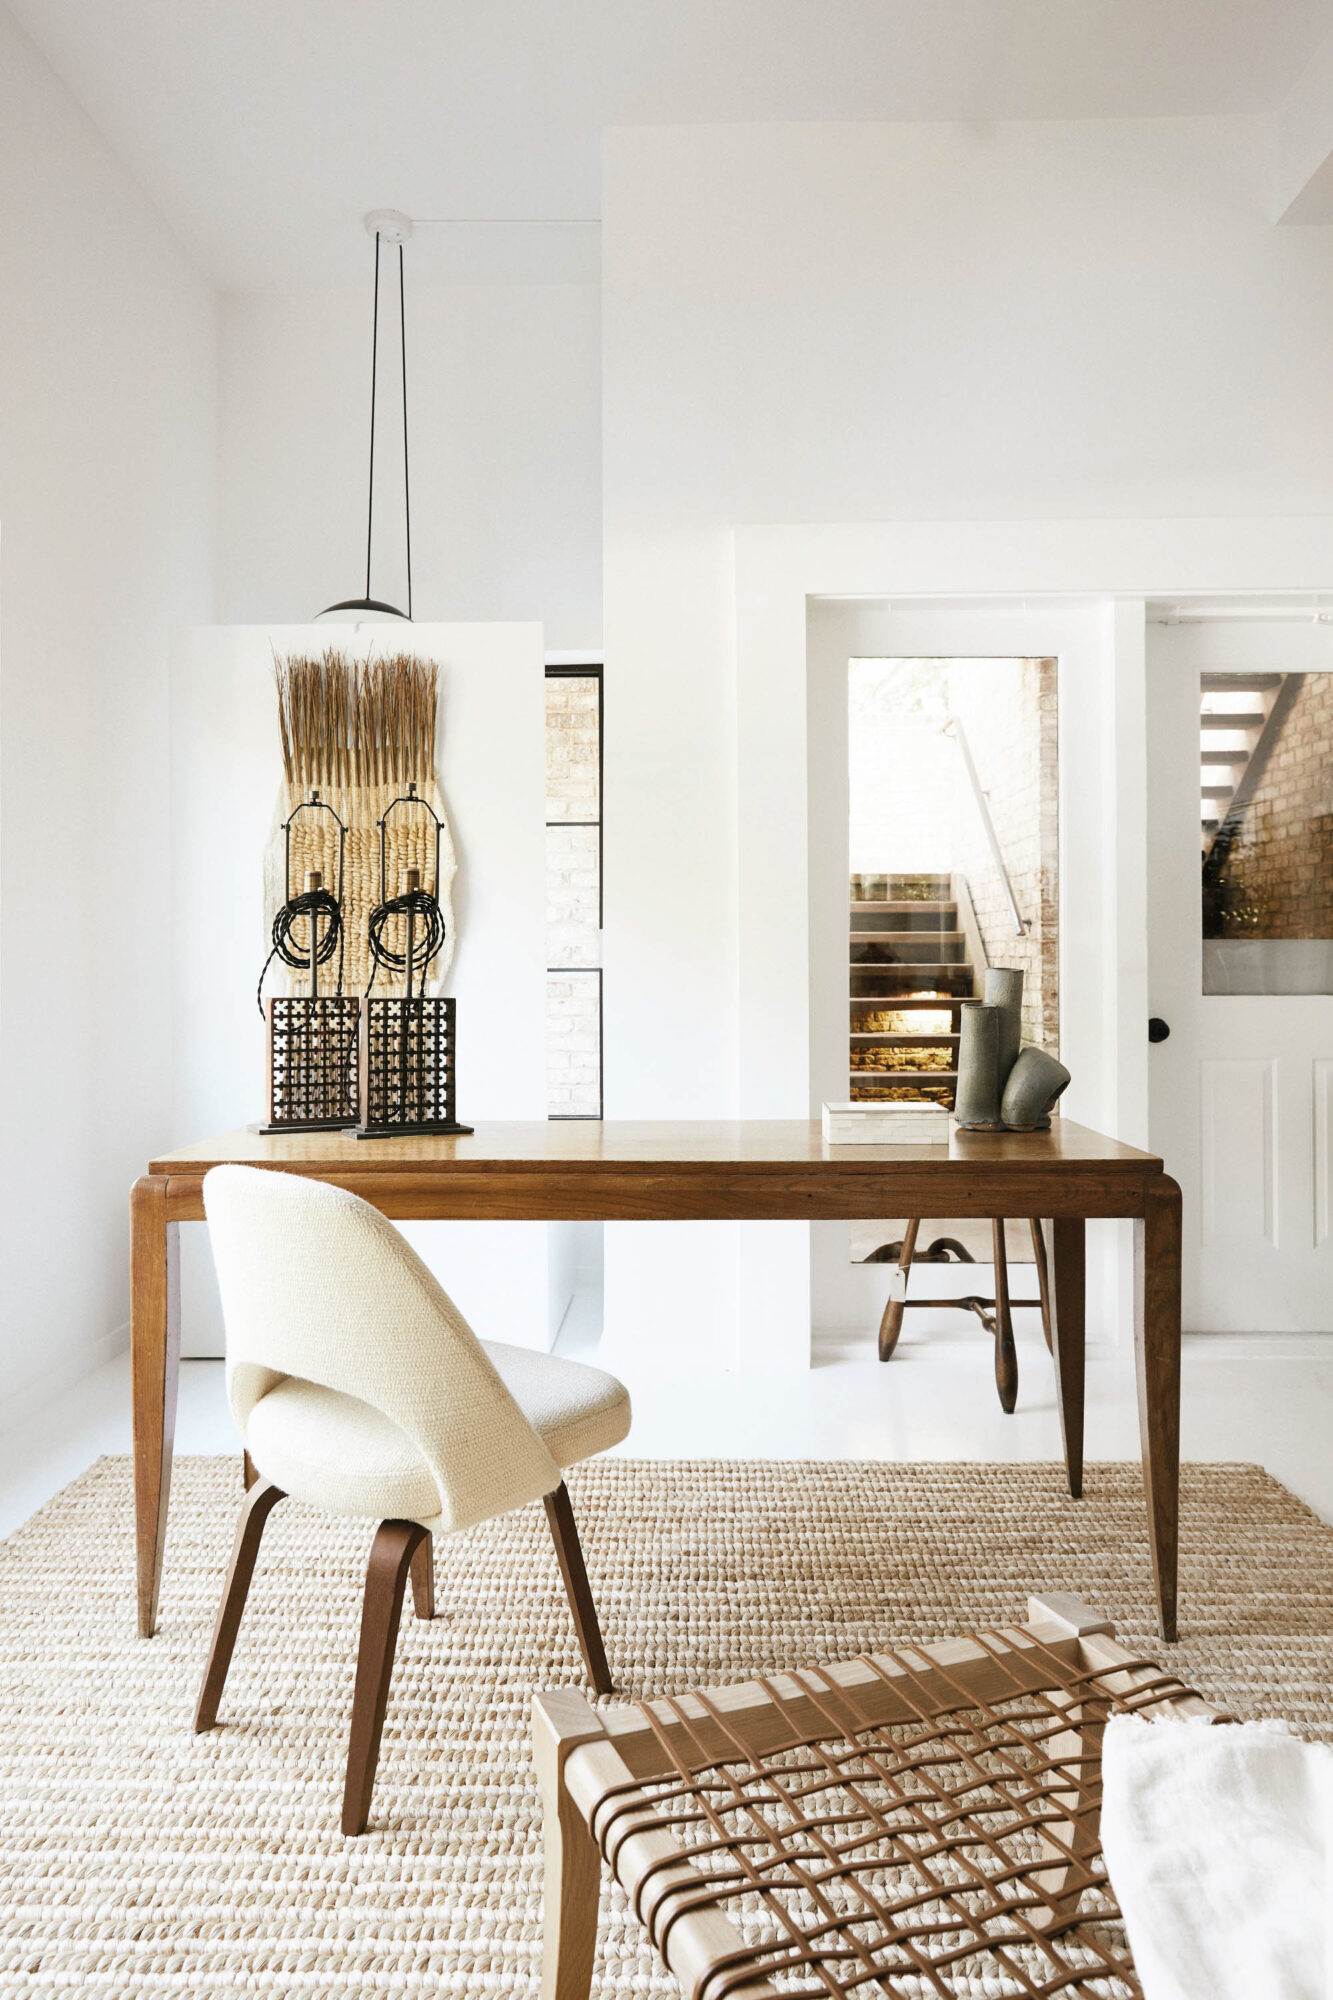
pixel 574 890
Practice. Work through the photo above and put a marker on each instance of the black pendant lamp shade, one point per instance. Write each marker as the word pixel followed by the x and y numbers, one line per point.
pixel 387 226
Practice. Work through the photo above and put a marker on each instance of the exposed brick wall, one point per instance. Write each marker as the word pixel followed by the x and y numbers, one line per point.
pixel 1277 881
pixel 573 1031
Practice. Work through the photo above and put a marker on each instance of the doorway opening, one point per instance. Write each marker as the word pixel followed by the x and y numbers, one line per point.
pixel 953 850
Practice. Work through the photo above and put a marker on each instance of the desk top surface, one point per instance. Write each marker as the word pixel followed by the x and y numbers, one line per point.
pixel 755 1145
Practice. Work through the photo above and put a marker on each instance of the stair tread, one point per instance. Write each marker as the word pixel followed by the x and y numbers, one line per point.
pixel 900 1003
pixel 896 908
pixel 1239 683
pixel 1253 720
pixel 905 1077
pixel 892 1038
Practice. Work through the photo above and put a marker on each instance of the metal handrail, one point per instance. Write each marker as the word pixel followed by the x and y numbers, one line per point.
pixel 954 728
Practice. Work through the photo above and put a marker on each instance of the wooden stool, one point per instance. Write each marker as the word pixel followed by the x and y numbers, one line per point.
pixel 928 1813
pixel 994 1314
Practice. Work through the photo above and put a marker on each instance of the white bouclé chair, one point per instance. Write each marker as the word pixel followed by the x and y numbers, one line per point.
pixel 359 1387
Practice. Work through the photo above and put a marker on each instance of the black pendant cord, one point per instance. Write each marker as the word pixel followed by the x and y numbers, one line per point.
pixel 374 366
pixel 316 903
pixel 428 941
pixel 407 489
pixel 367 602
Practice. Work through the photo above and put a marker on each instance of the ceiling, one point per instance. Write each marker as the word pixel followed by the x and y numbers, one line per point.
pixel 264 129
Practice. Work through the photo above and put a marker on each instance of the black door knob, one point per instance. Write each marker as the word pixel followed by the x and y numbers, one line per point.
pixel 1157 1029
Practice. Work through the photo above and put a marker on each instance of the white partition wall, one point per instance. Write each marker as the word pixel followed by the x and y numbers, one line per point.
pixel 226 769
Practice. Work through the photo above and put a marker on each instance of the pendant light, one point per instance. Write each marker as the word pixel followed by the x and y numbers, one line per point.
pixel 386 225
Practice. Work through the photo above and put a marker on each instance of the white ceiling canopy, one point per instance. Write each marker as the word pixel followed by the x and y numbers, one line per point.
pixel 265 131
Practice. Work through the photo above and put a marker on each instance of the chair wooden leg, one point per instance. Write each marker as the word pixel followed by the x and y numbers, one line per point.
pixel 569 1554
pixel 422 1573
pixel 259 1504
pixel 892 1323
pixel 1006 1356
pixel 391 1553
pixel 249 1473
pixel 1043 1280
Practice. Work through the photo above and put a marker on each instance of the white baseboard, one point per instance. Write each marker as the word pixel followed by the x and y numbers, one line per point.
pixel 1259 1346
pixel 39 1390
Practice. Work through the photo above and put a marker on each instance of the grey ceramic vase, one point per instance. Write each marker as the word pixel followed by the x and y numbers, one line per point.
pixel 976 1105
pixel 1035 1081
pixel 1004 989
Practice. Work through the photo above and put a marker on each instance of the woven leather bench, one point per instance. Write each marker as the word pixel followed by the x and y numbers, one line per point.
pixel 918 1822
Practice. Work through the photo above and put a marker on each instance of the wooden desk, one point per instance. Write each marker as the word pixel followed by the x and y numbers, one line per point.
pixel 760 1170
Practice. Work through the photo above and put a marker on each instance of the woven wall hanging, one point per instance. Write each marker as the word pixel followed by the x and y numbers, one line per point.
pixel 358 732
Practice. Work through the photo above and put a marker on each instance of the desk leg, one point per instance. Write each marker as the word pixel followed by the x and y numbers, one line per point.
pixel 155 1342
pixel 1068 1287
pixel 1157 1362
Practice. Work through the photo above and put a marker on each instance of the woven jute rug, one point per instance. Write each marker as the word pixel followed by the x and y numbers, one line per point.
pixel 139 1859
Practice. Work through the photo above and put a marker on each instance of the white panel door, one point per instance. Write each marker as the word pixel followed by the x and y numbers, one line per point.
pixel 1241 1090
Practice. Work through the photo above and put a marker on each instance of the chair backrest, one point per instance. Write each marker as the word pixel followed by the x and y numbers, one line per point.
pixel 318 1284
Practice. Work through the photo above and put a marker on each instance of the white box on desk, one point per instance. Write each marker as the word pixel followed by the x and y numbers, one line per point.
pixel 891 1124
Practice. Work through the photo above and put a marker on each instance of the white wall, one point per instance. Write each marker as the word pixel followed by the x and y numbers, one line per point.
pixel 877 324
pixel 107 367
pixel 226 770
pixel 504 411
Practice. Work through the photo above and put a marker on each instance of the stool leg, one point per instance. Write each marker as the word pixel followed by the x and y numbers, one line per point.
pixel 391 1554
pixel 259 1504
pixel 1043 1280
pixel 571 1863
pixel 1006 1357
pixel 892 1323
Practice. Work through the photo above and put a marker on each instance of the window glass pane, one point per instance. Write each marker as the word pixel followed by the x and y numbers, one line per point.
pixel 1266 820
pixel 572 786
pixel 573 895
pixel 574 1044
pixel 573 936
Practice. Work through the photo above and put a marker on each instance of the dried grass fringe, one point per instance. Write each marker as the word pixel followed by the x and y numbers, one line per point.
pixel 356 722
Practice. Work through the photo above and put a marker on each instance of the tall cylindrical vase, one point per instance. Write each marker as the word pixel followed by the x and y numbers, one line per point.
pixel 976 1105
pixel 1004 989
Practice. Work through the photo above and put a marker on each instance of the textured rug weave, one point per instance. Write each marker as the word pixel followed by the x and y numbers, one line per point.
pixel 139 1859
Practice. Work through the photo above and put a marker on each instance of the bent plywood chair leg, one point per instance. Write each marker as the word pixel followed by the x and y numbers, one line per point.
pixel 569 1554
pixel 1043 1280
pixel 892 1323
pixel 249 1474
pixel 422 1573
pixel 259 1504
pixel 391 1553
pixel 1006 1356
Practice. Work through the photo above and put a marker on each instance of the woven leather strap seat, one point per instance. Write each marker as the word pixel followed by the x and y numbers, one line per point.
pixel 922 1821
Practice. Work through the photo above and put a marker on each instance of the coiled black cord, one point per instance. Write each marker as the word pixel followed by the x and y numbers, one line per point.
pixel 427 939
pixel 309 908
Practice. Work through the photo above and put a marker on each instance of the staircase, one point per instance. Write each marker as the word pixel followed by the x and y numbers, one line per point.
pixel 915 952
pixel 1240 719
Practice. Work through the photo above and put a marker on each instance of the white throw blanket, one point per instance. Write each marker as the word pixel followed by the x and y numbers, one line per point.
pixel 1219 1845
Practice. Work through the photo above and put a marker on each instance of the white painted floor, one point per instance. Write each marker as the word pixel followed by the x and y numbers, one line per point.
pixel 1263 1398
